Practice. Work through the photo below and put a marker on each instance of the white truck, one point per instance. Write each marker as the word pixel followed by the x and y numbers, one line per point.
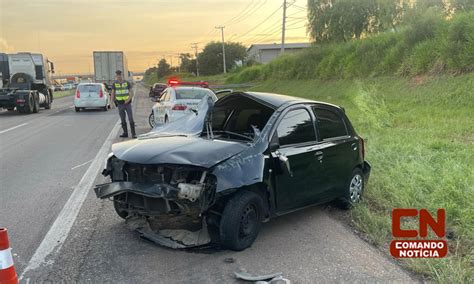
pixel 105 65
pixel 26 82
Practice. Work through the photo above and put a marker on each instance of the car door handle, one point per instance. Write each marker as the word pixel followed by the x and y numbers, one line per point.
pixel 319 155
pixel 354 146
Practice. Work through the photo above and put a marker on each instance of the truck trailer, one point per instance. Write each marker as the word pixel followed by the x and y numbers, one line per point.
pixel 105 65
pixel 26 82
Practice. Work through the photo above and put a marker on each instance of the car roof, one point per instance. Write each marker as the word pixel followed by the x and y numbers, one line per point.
pixel 160 84
pixel 277 100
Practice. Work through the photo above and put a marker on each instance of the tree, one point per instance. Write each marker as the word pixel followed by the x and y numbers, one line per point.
pixel 187 64
pixel 210 59
pixel 163 68
pixel 341 20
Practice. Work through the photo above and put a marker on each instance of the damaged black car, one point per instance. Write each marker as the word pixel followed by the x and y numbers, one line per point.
pixel 218 173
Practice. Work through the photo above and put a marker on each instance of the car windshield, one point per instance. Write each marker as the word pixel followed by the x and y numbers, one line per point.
pixel 89 88
pixel 238 117
pixel 191 93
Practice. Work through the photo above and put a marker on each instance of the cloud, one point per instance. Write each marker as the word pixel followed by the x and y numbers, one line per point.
pixel 5 47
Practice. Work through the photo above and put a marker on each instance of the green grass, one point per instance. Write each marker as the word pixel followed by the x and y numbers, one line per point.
pixel 60 94
pixel 430 44
pixel 420 142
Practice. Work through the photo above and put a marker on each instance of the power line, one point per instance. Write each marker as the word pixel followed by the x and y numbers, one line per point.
pixel 248 13
pixel 239 14
pixel 259 24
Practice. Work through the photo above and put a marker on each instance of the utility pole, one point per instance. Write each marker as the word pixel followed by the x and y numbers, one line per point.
pixel 283 28
pixel 223 48
pixel 195 46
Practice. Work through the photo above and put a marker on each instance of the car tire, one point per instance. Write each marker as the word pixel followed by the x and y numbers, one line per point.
pixel 36 104
pixel 11 108
pixel 78 109
pixel 29 107
pixel 241 220
pixel 353 190
pixel 151 120
pixel 105 108
pixel 119 207
pixel 47 103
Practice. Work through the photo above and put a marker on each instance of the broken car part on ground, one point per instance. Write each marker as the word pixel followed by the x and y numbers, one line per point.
pixel 226 167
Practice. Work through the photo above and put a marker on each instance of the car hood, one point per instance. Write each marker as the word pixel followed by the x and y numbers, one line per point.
pixel 182 150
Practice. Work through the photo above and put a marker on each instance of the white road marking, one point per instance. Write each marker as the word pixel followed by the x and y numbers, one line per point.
pixel 14 127
pixel 61 227
pixel 73 168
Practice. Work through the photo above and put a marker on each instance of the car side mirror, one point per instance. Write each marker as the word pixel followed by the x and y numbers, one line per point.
pixel 284 161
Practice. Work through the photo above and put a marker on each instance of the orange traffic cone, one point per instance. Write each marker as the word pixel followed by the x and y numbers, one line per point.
pixel 7 270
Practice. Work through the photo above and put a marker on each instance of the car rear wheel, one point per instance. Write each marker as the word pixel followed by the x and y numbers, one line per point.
pixel 151 120
pixel 241 220
pixel 78 109
pixel 105 108
pixel 353 190
pixel 10 108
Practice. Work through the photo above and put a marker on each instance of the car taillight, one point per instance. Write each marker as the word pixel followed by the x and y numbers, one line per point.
pixel 362 147
pixel 78 94
pixel 179 107
pixel 101 94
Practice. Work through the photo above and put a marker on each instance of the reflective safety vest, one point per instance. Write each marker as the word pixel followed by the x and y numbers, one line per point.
pixel 121 91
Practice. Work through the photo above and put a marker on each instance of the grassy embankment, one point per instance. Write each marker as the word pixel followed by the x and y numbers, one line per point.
pixel 411 95
pixel 60 94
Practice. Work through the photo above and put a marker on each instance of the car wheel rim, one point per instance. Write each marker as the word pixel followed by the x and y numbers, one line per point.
pixel 355 188
pixel 152 120
pixel 248 221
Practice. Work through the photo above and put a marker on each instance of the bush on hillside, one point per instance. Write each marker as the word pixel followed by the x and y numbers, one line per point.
pixel 428 44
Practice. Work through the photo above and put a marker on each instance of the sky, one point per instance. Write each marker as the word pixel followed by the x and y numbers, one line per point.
pixel 67 31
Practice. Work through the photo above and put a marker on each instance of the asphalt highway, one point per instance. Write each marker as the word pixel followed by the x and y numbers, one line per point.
pixel 48 167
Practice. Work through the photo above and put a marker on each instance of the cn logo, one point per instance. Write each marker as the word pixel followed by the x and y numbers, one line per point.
pixel 425 219
pixel 419 247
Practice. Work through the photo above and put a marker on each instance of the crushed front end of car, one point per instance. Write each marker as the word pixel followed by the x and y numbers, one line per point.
pixel 164 203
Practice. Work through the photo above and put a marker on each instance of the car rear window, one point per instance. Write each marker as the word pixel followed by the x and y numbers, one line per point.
pixel 330 124
pixel 89 88
pixel 296 127
pixel 193 94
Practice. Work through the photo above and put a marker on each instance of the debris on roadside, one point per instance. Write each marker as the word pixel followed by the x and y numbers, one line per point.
pixel 274 278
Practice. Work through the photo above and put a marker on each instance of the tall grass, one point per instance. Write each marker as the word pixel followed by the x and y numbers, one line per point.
pixel 428 44
pixel 420 142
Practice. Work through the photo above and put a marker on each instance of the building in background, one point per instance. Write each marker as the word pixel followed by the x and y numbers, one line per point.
pixel 264 53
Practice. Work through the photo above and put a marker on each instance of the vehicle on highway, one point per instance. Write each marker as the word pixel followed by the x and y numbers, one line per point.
pixel 105 65
pixel 26 80
pixel 157 89
pixel 68 86
pixel 176 101
pixel 234 164
pixel 58 87
pixel 91 95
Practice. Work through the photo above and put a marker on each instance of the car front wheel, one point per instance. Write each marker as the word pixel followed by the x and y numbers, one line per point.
pixel 354 190
pixel 241 220
pixel 151 120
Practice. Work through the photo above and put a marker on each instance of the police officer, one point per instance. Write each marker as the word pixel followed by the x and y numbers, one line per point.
pixel 122 95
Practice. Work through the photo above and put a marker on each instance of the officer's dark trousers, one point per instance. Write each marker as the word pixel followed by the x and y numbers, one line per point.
pixel 126 109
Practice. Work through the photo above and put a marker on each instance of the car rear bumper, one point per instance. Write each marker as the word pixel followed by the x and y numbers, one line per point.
pixel 90 103
pixel 366 168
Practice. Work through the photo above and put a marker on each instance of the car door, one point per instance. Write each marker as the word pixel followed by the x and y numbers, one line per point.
pixel 161 107
pixel 169 103
pixel 339 150
pixel 297 160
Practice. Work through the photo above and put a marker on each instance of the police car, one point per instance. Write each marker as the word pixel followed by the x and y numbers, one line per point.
pixel 177 100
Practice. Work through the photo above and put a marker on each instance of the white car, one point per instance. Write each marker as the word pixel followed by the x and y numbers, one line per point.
pixel 175 102
pixel 91 95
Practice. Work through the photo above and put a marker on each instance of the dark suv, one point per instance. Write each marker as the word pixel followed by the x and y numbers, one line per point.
pixel 157 89
pixel 232 165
